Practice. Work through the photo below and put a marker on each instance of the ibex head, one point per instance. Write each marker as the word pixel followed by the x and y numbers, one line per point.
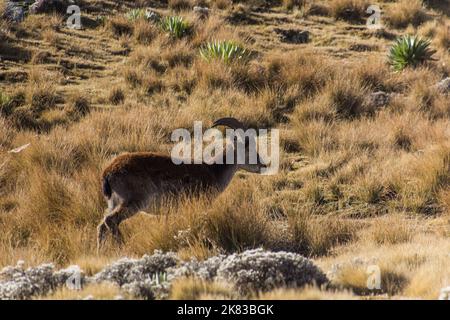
pixel 243 142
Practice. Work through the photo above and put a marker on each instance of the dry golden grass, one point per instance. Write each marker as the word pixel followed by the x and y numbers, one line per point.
pixel 413 269
pixel 316 236
pixel 355 179
pixel 308 293
pixel 391 229
pixel 406 12
pixel 443 35
pixel 180 5
pixel 92 291
pixel 116 96
pixel 222 4
pixel 291 4
pixel 349 10
pixel 120 26
pixel 197 289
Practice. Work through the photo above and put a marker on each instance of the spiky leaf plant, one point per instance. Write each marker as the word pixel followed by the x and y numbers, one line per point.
pixel 175 26
pixel 135 14
pixel 410 51
pixel 4 102
pixel 226 51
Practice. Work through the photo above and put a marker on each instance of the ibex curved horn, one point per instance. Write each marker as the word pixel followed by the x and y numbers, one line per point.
pixel 233 123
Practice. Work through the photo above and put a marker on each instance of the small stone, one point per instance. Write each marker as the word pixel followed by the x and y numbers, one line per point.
pixel 47 6
pixel 13 12
pixel 444 85
pixel 152 16
pixel 378 99
pixel 201 11
pixel 292 35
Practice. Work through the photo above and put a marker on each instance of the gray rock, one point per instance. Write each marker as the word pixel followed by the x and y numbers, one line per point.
pixel 14 12
pixel 377 99
pixel 292 35
pixel 202 12
pixel 152 16
pixel 47 6
pixel 444 85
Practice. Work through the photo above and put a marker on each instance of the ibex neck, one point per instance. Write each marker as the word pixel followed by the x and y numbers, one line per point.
pixel 224 171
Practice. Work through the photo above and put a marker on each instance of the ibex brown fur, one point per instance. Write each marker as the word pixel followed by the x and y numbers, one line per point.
pixel 142 180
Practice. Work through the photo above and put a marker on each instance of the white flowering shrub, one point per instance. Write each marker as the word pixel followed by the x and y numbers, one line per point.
pixel 148 289
pixel 126 270
pixel 19 283
pixel 73 273
pixel 151 276
pixel 143 278
pixel 258 270
pixel 206 270
pixel 445 294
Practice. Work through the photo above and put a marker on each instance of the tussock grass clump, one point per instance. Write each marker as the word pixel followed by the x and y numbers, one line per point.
pixel 439 31
pixel 343 98
pixel 222 4
pixel 120 26
pixel 175 26
pixel 402 139
pixel 135 14
pixel 390 230
pixel 42 97
pixel 406 12
pixel 442 36
pixel 422 194
pixel 237 223
pixel 317 236
pixel 41 57
pixel 198 289
pixel 227 51
pixel 291 4
pixel 116 96
pixel 4 99
pixel 349 10
pixel 7 133
pixel 410 51
pixel 375 75
pixel 80 105
pixel 427 99
pixel 51 36
pixel 145 32
pixel 179 5
pixel 353 276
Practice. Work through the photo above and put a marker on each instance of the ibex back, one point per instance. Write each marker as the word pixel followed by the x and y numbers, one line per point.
pixel 142 180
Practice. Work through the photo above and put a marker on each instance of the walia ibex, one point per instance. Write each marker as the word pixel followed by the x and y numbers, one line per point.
pixel 142 180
